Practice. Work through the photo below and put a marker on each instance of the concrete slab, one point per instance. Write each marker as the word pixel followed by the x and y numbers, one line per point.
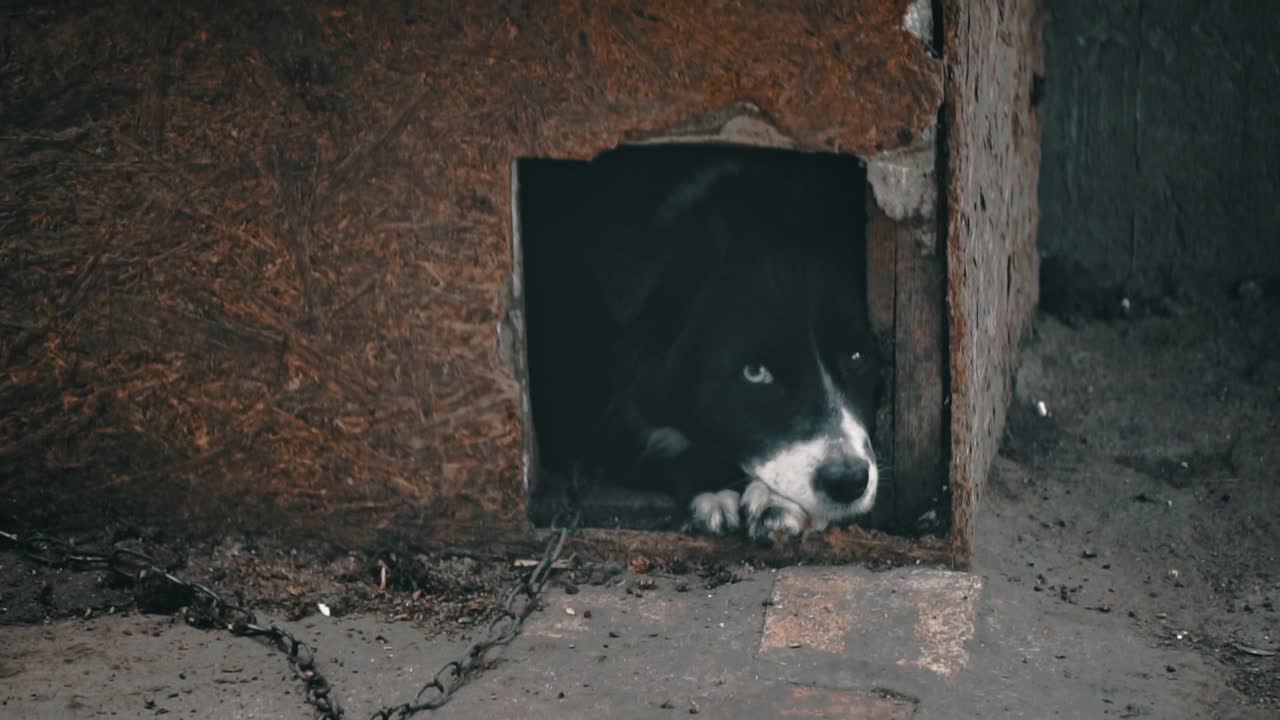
pixel 968 646
pixel 147 666
pixel 801 642
pixel 799 701
pixel 918 618
pixel 605 652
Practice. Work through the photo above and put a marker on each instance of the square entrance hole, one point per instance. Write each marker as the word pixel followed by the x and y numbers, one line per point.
pixel 565 211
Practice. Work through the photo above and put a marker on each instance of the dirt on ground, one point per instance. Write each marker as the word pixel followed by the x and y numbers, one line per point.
pixel 439 594
pixel 1146 484
pixel 1137 480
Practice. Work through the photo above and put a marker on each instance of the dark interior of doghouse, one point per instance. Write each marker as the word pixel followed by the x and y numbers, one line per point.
pixel 553 199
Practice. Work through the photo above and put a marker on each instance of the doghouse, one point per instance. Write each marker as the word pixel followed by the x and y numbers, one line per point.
pixel 263 264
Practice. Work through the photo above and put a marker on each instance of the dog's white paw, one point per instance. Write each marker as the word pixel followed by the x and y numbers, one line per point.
pixel 714 513
pixel 768 513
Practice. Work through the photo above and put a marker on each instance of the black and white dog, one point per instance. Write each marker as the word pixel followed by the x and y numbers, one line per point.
pixel 697 325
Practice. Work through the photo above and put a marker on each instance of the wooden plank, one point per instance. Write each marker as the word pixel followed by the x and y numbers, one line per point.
pixel 992 160
pixel 920 360
pixel 881 269
pixel 832 547
pixel 882 276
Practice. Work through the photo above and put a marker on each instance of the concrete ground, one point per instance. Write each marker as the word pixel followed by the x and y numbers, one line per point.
pixel 1125 567
pixel 798 642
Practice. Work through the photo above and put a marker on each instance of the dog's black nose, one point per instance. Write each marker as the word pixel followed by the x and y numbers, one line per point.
pixel 842 480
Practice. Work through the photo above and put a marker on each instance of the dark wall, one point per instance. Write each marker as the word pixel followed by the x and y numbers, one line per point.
pixel 1161 155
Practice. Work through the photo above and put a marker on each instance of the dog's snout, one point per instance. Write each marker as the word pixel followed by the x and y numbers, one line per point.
pixel 843 480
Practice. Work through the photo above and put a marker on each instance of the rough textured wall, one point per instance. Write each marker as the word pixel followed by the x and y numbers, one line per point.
pixel 255 257
pixel 1161 151
pixel 993 155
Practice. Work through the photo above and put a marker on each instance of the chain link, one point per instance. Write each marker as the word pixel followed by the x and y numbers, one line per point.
pixel 210 609
pixel 518 603
pixel 207 608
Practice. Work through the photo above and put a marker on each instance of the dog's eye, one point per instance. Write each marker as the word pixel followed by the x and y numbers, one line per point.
pixel 757 374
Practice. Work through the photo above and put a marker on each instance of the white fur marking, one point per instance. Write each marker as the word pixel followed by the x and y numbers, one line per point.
pixel 790 518
pixel 715 513
pixel 789 471
pixel 856 439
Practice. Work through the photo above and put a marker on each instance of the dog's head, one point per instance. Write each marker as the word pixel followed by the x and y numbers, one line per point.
pixel 758 299
pixel 778 371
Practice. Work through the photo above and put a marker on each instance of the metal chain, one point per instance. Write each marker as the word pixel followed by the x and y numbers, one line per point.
pixel 209 608
pixel 518 603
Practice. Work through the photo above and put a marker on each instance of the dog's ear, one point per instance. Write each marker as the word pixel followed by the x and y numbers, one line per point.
pixel 660 268
pixel 628 270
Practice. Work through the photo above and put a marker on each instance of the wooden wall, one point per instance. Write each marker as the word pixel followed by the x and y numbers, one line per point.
pixel 992 123
pixel 257 261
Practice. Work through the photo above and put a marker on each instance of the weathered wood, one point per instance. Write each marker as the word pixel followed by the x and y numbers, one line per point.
pixel 920 358
pixel 992 127
pixel 882 274
pixel 882 247
pixel 831 547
